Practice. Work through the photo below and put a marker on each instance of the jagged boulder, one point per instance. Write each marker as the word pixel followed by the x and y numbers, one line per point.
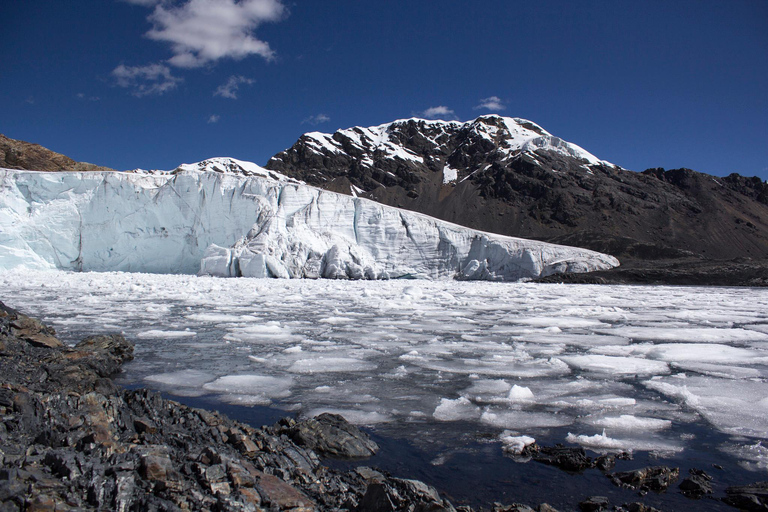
pixel 332 435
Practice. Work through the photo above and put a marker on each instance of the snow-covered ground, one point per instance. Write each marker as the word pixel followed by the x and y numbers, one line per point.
pixel 611 367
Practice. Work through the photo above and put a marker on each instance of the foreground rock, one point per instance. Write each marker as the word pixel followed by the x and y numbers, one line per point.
pixel 752 497
pixel 72 440
pixel 571 458
pixel 697 485
pixel 331 435
pixel 652 478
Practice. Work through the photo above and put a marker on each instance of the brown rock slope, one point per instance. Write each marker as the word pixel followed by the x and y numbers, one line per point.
pixel 17 154
pixel 546 190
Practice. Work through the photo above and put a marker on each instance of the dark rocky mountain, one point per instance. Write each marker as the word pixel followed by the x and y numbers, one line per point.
pixel 17 154
pixel 510 176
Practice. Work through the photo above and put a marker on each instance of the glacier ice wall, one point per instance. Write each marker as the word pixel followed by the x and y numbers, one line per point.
pixel 224 224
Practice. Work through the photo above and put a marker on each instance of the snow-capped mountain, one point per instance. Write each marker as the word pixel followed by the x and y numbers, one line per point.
pixel 226 217
pixel 390 154
pixel 510 176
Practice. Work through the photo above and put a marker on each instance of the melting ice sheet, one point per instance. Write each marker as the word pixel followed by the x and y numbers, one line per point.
pixel 609 367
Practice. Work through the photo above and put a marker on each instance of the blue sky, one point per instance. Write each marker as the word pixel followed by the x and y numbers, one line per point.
pixel 155 83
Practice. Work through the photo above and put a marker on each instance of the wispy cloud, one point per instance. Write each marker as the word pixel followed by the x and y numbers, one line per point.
pixel 204 31
pixel 315 120
pixel 441 112
pixel 82 96
pixel 214 119
pixel 492 103
pixel 229 89
pixel 153 79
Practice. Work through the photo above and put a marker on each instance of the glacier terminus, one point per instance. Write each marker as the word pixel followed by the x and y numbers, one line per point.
pixel 228 218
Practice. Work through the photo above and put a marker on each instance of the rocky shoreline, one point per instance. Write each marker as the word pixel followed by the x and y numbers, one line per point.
pixel 70 439
pixel 685 272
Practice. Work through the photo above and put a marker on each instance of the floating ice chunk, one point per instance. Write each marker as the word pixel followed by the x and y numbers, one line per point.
pixel 182 382
pixel 706 353
pixel 629 422
pixel 323 364
pixel 455 410
pixel 220 318
pixel 618 402
pixel 337 320
pixel 753 457
pixel 498 366
pixel 159 333
pixel 616 365
pixel 602 443
pixel 488 387
pixel 259 387
pixel 560 322
pixel 722 371
pixel 246 400
pixel 680 392
pixel 520 394
pixel 354 416
pixel 413 291
pixel 267 332
pixel 514 444
pixel 398 373
pixel 737 407
pixel 597 442
pixel 758 327
pixel 692 334
pixel 523 420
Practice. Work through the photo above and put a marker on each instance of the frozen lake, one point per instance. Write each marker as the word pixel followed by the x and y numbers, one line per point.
pixel 608 367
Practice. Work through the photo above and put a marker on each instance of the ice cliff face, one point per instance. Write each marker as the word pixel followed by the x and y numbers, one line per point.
pixel 229 218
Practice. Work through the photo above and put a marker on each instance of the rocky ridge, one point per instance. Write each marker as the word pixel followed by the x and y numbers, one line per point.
pixel 510 176
pixel 17 154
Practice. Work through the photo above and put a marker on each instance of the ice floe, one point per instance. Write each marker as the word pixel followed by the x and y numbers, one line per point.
pixel 533 359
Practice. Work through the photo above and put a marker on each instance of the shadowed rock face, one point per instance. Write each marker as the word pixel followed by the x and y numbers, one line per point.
pixel 17 154
pixel 544 189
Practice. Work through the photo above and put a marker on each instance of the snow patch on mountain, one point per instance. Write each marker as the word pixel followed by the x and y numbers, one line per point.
pixel 225 217
pixel 224 165
pixel 449 175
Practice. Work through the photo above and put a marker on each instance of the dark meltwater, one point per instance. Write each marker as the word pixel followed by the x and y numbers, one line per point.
pixel 445 375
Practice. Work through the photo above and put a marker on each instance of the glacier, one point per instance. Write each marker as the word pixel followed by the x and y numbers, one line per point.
pixel 227 218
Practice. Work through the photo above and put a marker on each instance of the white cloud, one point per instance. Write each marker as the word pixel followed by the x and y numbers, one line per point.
pixel 203 31
pixel 214 119
pixel 229 89
pixel 153 79
pixel 315 120
pixel 441 112
pixel 491 103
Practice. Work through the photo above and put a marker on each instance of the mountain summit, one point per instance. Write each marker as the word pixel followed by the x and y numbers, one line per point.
pixel 510 176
